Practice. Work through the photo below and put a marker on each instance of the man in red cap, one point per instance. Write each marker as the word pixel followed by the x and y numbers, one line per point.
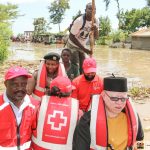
pixel 57 117
pixel 17 111
pixel 87 84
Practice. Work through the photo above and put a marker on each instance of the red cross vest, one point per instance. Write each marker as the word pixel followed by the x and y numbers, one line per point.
pixel 98 124
pixel 56 123
pixel 12 136
pixel 39 90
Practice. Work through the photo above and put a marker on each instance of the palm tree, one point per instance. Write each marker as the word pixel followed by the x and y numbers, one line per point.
pixel 107 3
pixel 119 10
pixel 148 2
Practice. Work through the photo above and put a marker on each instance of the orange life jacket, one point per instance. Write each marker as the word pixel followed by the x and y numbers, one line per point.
pixel 99 124
pixel 39 90
pixel 56 123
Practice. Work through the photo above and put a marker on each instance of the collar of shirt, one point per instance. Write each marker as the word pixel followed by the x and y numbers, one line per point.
pixel 25 103
pixel 18 111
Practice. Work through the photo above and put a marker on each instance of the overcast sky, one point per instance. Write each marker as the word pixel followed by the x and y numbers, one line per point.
pixel 39 8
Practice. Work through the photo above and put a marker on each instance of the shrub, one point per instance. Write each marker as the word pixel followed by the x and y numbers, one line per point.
pixel 5 34
pixel 118 36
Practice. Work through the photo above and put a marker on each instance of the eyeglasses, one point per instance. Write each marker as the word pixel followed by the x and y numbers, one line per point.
pixel 123 99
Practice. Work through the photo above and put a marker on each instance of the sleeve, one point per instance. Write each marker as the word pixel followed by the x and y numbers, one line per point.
pixel 140 133
pixel 75 91
pixel 82 138
pixel 77 25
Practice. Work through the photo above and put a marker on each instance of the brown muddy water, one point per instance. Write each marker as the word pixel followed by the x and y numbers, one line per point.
pixel 133 64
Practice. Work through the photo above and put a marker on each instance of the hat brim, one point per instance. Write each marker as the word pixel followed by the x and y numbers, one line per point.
pixel 89 70
pixel 14 76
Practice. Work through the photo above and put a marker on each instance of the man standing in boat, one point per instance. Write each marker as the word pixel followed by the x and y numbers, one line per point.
pixel 80 29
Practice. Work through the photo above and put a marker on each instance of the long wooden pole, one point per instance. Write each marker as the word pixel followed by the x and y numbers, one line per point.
pixel 92 33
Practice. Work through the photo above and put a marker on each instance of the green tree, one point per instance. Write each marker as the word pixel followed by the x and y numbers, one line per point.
pixel 105 26
pixel 5 33
pixel 105 29
pixel 57 11
pixel 39 25
pixel 118 36
pixel 132 20
pixel 107 2
pixel 8 12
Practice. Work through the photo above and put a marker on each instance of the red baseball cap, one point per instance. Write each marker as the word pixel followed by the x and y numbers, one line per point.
pixel 89 65
pixel 63 83
pixel 16 71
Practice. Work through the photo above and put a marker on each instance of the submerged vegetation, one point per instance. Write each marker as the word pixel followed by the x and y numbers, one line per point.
pixel 139 93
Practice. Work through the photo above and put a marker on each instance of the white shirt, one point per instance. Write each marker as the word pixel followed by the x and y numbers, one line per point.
pixel 18 111
pixel 83 34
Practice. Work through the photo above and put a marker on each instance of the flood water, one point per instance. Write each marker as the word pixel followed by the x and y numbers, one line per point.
pixel 133 64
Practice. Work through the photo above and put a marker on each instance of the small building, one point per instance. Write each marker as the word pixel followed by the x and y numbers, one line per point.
pixel 48 39
pixel 28 35
pixel 141 39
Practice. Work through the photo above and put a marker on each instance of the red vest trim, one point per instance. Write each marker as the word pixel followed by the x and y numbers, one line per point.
pixel 99 124
pixel 41 79
pixel 58 118
pixel 132 122
pixel 8 127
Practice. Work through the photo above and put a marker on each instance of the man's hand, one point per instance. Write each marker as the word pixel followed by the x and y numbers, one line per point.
pixel 94 28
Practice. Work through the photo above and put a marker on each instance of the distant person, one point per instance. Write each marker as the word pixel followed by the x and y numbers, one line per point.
pixel 57 119
pixel 79 35
pixel 49 69
pixel 112 123
pixel 71 69
pixel 87 84
pixel 17 111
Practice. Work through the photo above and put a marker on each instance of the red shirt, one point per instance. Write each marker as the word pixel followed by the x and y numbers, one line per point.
pixel 85 89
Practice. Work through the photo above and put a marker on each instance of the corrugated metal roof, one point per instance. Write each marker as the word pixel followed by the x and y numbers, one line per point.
pixel 142 33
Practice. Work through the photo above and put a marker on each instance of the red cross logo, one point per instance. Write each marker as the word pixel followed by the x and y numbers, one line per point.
pixel 57 120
